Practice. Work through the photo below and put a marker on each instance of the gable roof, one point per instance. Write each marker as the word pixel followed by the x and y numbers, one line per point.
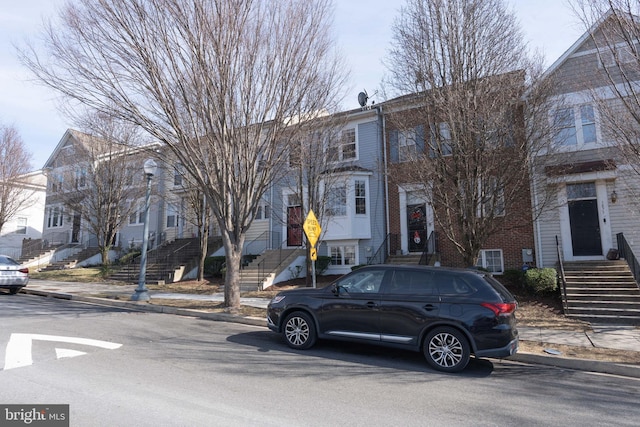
pixel 576 45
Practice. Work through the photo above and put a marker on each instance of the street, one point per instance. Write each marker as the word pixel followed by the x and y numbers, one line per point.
pixel 122 368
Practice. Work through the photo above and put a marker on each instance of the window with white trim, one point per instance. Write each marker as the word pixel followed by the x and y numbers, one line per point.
pixel 440 140
pixel 172 216
pixel 137 216
pixel 264 211
pixel 492 197
pixel 575 125
pixel 56 182
pixel 361 196
pixel 343 255
pixel 336 204
pixel 55 218
pixel 178 175
pixel 491 260
pixel 407 145
pixel 344 147
pixel 81 177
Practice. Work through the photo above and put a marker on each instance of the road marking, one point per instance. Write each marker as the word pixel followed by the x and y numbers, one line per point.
pixel 18 352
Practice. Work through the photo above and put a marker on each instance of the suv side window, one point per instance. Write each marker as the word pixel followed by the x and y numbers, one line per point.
pixel 450 284
pixel 412 282
pixel 362 282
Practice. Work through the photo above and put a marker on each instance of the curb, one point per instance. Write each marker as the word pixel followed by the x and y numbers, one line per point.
pixel 632 371
pixel 142 306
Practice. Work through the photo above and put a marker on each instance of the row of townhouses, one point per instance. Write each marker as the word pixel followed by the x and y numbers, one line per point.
pixel 373 215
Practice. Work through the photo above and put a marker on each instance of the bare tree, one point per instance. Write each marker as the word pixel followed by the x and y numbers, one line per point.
pixel 15 162
pixel 218 81
pixel 477 116
pixel 102 182
pixel 614 29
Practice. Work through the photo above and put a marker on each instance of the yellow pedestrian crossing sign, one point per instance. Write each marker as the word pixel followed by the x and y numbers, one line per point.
pixel 312 229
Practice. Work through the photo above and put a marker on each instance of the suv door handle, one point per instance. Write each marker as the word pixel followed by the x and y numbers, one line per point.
pixel 371 304
pixel 430 307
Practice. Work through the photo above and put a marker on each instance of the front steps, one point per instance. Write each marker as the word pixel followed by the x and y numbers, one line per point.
pixel 602 292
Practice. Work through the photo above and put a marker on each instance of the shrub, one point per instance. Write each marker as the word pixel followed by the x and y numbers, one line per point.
pixel 541 281
pixel 128 257
pixel 513 277
pixel 322 263
pixel 213 266
pixel 105 270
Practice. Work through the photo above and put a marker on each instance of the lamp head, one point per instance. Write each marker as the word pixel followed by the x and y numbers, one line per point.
pixel 150 167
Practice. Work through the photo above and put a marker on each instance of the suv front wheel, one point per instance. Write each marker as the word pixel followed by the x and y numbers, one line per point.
pixel 446 349
pixel 299 330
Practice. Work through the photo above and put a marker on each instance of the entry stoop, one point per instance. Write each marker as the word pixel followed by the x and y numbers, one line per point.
pixel 602 292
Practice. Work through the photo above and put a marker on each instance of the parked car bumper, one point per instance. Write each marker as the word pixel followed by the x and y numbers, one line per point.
pixel 506 351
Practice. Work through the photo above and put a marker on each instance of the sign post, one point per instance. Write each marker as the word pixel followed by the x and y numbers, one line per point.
pixel 312 229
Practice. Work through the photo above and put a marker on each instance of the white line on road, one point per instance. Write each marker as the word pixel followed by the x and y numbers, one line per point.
pixel 18 352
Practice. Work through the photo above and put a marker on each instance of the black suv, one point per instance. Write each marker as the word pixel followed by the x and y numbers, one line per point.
pixel 448 314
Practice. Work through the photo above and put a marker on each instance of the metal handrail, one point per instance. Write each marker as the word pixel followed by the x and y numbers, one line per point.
pixel 430 249
pixel 561 276
pixel 261 267
pixel 625 251
pixel 383 249
pixel 266 236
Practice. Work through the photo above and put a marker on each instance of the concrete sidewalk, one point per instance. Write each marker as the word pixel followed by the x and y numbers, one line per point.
pixel 602 336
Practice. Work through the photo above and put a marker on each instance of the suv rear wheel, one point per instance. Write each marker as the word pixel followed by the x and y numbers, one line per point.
pixel 446 349
pixel 299 330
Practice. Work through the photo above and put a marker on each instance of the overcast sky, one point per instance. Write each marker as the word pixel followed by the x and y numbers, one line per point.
pixel 362 31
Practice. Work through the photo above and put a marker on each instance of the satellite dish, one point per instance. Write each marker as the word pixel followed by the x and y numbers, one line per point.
pixel 363 98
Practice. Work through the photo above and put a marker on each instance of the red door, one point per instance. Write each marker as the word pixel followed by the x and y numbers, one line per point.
pixel 294 226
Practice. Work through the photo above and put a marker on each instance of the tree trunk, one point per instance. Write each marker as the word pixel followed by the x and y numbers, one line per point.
pixel 232 277
pixel 204 240
pixel 104 253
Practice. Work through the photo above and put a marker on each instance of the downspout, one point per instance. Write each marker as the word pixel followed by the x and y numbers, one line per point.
pixel 537 223
pixel 386 174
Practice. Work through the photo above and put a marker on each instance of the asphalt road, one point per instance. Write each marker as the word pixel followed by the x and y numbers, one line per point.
pixel 121 368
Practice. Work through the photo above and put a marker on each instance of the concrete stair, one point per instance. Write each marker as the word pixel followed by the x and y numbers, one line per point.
pixel 70 261
pixel 410 259
pixel 268 265
pixel 163 263
pixel 602 292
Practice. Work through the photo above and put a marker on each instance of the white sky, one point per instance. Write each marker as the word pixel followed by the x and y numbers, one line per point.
pixel 363 33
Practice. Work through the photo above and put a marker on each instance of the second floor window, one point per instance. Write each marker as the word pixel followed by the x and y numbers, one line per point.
pixel 137 216
pixel 336 204
pixel 575 126
pixel 344 148
pixel 361 197
pixel 264 211
pixel 440 140
pixel 81 178
pixel 178 173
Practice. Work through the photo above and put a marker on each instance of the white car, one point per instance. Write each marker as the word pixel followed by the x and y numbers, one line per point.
pixel 13 276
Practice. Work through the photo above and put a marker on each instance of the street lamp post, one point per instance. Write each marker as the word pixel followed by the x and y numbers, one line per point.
pixel 142 293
